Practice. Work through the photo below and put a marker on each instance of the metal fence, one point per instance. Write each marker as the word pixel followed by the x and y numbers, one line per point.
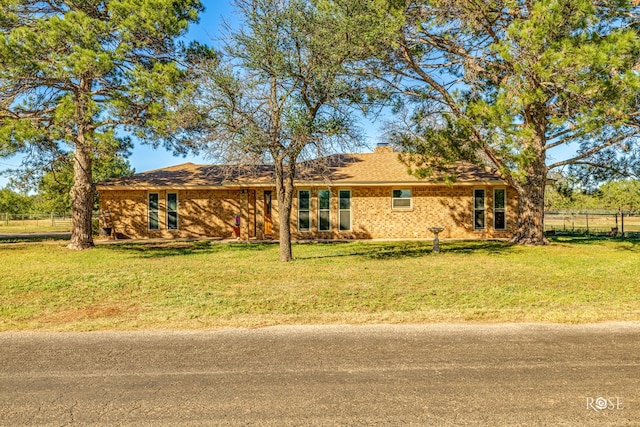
pixel 596 221
pixel 569 222
pixel 31 221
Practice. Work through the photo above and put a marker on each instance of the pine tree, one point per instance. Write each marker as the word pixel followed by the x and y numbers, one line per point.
pixel 75 75
pixel 507 83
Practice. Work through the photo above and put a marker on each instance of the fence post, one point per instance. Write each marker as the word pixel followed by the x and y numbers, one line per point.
pixel 587 222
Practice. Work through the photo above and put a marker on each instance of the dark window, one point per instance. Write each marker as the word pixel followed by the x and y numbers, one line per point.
pixel 478 210
pixel 345 210
pixel 499 209
pixel 304 199
pixel 172 211
pixel 154 211
pixel 324 210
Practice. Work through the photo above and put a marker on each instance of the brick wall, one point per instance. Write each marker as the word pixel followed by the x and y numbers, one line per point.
pixel 201 213
pixel 372 214
pixel 210 213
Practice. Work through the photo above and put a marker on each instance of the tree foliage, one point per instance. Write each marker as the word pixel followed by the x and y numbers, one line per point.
pixel 14 203
pixel 621 195
pixel 54 186
pixel 76 74
pixel 281 90
pixel 509 83
pixel 613 196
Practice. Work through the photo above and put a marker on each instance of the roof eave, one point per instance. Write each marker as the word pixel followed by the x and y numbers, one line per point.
pixel 231 186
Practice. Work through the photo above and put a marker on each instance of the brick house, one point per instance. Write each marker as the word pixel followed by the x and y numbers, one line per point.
pixel 353 196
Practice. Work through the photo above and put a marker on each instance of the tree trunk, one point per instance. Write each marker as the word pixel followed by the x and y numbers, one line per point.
pixel 284 193
pixel 530 225
pixel 286 253
pixel 82 196
pixel 82 191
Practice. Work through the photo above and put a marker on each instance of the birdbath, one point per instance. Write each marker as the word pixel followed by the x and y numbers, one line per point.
pixel 436 241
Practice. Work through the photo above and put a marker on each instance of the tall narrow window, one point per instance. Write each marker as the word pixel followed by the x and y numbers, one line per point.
pixel 478 210
pixel 304 198
pixel 324 210
pixel 268 220
pixel 401 199
pixel 172 211
pixel 499 209
pixel 345 210
pixel 154 211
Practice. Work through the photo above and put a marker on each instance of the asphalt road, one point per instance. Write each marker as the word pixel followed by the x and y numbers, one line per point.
pixel 431 375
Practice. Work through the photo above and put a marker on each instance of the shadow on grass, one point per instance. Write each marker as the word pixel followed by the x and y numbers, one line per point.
pixel 623 243
pixel 34 238
pixel 371 250
pixel 485 246
pixel 174 249
pixel 408 249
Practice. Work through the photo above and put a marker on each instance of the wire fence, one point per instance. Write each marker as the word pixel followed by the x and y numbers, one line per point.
pixel 589 222
pixel 19 223
pixel 613 223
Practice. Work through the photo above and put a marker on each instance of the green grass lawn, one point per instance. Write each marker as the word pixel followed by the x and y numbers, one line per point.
pixel 212 285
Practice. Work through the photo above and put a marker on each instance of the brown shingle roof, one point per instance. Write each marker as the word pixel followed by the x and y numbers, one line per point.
pixel 385 168
pixel 379 168
pixel 189 175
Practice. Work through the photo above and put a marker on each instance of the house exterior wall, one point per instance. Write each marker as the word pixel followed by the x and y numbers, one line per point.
pixel 374 217
pixel 211 213
pixel 201 213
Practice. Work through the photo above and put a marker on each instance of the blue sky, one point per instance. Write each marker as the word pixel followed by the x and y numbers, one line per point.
pixel 143 157
pixel 207 31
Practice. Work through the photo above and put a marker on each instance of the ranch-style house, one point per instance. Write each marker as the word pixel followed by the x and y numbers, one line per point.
pixel 353 196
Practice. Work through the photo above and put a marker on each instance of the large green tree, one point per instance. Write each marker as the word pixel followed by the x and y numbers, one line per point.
pixel 76 74
pixel 54 185
pixel 281 90
pixel 15 203
pixel 622 195
pixel 524 86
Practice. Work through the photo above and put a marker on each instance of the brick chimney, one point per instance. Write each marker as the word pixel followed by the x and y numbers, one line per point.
pixel 383 147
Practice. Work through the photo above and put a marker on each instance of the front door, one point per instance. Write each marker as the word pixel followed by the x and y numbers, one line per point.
pixel 268 222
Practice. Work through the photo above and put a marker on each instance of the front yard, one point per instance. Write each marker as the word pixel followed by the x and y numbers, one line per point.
pixel 213 285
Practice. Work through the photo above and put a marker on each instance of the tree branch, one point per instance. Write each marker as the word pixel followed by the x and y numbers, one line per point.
pixel 592 151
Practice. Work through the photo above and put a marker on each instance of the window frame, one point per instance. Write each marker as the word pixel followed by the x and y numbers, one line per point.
pixel 502 210
pixel 341 210
pixel 394 199
pixel 483 209
pixel 150 211
pixel 307 210
pixel 169 211
pixel 326 210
